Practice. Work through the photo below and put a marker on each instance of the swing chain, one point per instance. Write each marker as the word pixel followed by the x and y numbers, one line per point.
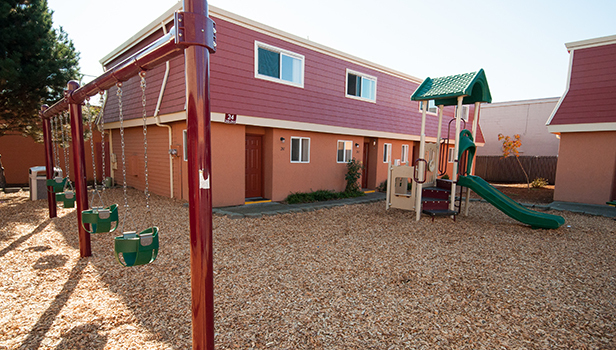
pixel 102 130
pixel 125 186
pixel 145 142
pixel 89 108
pixel 67 165
pixel 54 140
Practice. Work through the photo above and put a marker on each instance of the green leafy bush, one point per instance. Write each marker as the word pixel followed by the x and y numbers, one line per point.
pixel 539 183
pixel 382 187
pixel 354 168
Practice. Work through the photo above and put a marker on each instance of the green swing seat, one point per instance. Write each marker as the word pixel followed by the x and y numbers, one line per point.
pixel 137 248
pixel 67 197
pixel 100 219
pixel 57 184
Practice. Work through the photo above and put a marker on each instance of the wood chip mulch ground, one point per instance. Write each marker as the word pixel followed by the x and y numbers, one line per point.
pixel 352 277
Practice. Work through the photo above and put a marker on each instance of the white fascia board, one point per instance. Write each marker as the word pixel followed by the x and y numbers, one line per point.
pixel 142 34
pixel 566 89
pixel 272 123
pixel 584 44
pixel 258 27
pixel 588 127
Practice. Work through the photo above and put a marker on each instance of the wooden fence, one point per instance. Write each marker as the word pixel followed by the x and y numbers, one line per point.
pixel 507 170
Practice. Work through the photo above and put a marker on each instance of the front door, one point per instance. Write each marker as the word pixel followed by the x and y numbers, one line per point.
pixel 254 168
pixel 364 171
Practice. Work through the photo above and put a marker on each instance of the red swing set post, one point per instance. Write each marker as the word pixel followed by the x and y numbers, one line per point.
pixel 194 32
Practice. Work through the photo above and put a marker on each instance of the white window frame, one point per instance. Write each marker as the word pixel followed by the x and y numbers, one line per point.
pixel 300 149
pixel 404 155
pixel 185 145
pixel 465 112
pixel 344 151
pixel 363 75
pixel 386 152
pixel 451 155
pixel 431 105
pixel 282 52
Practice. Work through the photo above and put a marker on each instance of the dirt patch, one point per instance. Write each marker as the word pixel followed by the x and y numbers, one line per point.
pixel 352 277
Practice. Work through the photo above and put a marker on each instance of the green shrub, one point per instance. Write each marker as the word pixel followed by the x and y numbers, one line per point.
pixel 445 177
pixel 382 187
pixel 539 183
pixel 319 196
pixel 354 168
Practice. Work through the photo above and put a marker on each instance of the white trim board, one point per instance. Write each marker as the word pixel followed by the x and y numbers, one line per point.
pixel 588 127
pixel 279 124
pixel 562 98
pixel 584 44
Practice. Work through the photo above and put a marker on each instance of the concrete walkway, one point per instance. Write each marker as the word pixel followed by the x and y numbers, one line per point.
pixel 273 208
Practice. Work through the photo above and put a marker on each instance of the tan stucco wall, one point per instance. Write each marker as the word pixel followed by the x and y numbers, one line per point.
pixel 586 170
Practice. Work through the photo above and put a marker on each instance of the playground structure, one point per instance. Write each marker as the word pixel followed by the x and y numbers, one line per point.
pixel 437 197
pixel 194 36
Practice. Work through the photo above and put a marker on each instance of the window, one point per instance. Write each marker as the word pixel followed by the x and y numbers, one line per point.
pixel 345 151
pixel 451 156
pixel 432 108
pixel 464 115
pixel 361 86
pixel 282 66
pixel 185 150
pixel 386 152
pixel 404 157
pixel 300 150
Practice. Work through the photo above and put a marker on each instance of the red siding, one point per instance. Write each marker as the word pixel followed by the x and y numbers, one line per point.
pixel 592 88
pixel 234 89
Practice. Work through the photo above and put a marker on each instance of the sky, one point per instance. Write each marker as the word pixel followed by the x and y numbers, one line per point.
pixel 520 44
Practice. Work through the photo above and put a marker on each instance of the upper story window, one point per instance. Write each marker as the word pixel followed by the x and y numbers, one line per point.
pixel 361 86
pixel 345 151
pixel 300 150
pixel 432 108
pixel 279 65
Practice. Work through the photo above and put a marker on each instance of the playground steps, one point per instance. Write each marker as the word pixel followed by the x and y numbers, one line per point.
pixel 435 200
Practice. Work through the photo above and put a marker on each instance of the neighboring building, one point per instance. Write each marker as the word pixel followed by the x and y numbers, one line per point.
pixel 287 114
pixel 585 119
pixel 20 153
pixel 526 118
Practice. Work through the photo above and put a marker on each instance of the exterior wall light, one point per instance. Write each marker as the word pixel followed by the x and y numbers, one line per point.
pixel 357 145
pixel 282 139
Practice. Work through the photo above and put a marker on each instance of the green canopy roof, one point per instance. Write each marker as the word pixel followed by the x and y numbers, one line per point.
pixel 445 90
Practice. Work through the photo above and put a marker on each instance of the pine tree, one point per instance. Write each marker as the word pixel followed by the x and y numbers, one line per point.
pixel 36 62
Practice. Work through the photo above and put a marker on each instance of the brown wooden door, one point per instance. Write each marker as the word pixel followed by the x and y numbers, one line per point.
pixel 254 168
pixel 364 171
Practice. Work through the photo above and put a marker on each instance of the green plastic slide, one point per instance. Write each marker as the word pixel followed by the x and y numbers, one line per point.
pixel 508 205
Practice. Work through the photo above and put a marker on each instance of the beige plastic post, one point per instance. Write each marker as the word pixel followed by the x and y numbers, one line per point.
pixel 390 186
pixel 421 165
pixel 474 133
pixel 438 141
pixel 454 176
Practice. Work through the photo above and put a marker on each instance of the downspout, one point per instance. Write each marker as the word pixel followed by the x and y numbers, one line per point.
pixel 157 117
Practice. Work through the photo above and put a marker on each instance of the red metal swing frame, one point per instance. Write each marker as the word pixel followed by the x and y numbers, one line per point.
pixel 194 35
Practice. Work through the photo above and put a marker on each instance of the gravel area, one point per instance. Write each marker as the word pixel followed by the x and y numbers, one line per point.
pixel 351 277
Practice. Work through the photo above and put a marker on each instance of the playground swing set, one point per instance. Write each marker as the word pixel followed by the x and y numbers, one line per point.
pixel 436 196
pixel 193 36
